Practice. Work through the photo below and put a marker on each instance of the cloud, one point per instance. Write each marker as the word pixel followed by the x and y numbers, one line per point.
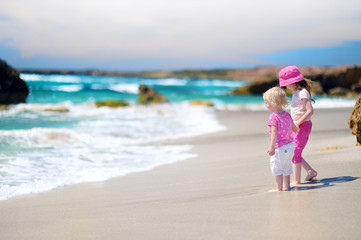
pixel 224 30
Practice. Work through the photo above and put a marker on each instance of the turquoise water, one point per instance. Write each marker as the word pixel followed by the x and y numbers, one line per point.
pixel 80 89
pixel 77 89
pixel 41 150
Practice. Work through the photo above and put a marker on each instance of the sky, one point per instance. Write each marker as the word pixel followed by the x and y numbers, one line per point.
pixel 148 35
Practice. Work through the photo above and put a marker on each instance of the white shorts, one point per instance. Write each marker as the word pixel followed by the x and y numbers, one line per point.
pixel 281 162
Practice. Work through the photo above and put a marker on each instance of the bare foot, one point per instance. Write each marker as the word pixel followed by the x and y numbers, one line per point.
pixel 295 183
pixel 274 190
pixel 310 175
pixel 286 188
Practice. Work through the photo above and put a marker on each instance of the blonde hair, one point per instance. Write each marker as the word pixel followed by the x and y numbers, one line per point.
pixel 276 97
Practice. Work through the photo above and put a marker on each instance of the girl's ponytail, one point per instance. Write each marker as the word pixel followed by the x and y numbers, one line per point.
pixel 306 84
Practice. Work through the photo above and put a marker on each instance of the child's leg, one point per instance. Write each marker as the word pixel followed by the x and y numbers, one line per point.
pixel 297 172
pixel 297 165
pixel 300 140
pixel 311 173
pixel 286 183
pixel 279 182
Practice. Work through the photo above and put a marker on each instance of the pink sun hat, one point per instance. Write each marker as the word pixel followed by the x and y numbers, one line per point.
pixel 289 75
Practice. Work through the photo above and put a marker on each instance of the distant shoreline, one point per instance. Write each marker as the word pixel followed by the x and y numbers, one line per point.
pixel 250 74
pixel 342 81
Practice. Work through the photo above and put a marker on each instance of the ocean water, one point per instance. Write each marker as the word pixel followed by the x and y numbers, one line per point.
pixel 42 149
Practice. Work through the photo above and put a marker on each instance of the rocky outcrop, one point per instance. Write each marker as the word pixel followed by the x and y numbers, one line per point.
pixel 355 121
pixel 258 87
pixel 338 91
pixel 112 103
pixel 336 82
pixel 204 103
pixel 57 109
pixel 12 88
pixel 148 95
pixel 341 82
pixel 316 88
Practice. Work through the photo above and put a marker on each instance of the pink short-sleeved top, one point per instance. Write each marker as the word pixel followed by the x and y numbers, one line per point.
pixel 298 108
pixel 283 121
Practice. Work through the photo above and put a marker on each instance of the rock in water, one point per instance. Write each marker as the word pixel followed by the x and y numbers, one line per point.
pixel 198 102
pixel 148 95
pixel 355 121
pixel 258 87
pixel 112 103
pixel 12 88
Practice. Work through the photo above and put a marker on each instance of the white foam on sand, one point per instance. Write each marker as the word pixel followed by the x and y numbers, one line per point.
pixel 102 143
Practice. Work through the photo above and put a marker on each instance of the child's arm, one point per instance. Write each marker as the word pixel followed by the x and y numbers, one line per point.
pixel 308 113
pixel 271 149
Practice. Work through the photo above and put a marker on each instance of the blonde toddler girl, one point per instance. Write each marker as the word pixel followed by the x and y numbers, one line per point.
pixel 281 142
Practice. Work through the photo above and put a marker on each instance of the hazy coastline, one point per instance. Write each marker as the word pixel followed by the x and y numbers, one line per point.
pixel 250 74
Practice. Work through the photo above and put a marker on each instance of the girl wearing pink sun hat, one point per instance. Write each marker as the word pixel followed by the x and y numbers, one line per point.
pixel 301 112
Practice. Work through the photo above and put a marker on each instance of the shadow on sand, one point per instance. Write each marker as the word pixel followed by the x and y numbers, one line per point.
pixel 325 182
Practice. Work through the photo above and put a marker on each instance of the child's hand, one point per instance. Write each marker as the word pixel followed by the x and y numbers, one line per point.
pixel 271 151
pixel 295 128
pixel 297 124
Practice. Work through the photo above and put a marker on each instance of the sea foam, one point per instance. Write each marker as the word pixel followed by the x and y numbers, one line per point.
pixel 101 143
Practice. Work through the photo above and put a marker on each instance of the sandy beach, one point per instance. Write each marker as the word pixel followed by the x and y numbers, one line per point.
pixel 220 194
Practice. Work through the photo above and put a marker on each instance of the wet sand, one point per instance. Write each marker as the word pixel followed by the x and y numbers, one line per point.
pixel 220 194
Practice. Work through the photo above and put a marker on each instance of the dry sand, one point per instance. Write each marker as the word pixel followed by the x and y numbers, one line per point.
pixel 221 194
